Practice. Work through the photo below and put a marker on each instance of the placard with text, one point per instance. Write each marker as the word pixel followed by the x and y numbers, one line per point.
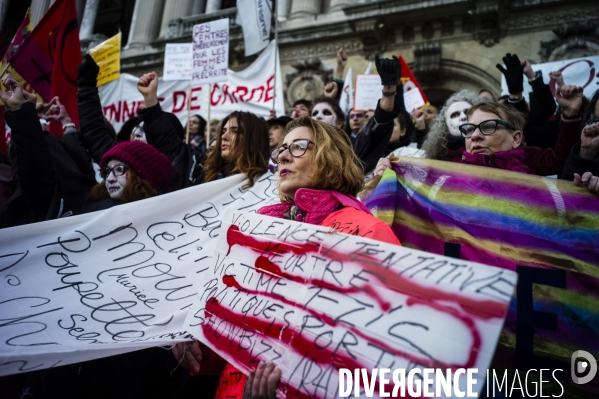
pixel 210 52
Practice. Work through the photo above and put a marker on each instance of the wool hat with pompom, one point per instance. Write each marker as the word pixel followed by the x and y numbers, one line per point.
pixel 149 163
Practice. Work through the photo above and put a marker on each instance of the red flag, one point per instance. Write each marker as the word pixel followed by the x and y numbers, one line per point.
pixel 409 80
pixel 49 57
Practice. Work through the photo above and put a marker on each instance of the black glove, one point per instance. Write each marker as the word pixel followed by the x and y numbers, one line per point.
pixel 513 72
pixel 88 72
pixel 389 70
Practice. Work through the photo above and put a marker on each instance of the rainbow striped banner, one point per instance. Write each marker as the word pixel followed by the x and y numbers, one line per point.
pixel 545 229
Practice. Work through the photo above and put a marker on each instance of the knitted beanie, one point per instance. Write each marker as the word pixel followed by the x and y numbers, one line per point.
pixel 149 163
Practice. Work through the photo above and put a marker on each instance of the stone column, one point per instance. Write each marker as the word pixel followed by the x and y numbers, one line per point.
pixel 174 9
pixel 38 9
pixel 213 5
pixel 145 23
pixel 305 8
pixel 339 4
pixel 283 9
pixel 199 6
pixel 86 30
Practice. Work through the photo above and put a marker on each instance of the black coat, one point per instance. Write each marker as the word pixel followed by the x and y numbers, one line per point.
pixel 52 186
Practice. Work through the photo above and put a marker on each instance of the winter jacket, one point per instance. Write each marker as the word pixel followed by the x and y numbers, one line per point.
pixel 342 212
pixel 93 132
pixel 507 160
pixel 52 186
pixel 577 164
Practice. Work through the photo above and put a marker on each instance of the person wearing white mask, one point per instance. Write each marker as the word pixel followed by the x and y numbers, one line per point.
pixel 444 140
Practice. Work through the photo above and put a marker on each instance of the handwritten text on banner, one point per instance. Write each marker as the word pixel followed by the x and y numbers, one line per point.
pixel 314 301
pixel 109 282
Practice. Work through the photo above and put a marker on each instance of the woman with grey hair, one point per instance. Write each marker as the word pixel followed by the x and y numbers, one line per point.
pixel 444 140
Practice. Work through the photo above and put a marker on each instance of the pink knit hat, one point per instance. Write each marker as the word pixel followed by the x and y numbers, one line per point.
pixel 149 163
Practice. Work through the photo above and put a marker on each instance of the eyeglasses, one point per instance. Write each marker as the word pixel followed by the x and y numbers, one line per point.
pixel 296 149
pixel 118 170
pixel 487 128
pixel 356 115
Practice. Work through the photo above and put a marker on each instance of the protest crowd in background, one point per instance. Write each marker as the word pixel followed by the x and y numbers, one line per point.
pixel 64 158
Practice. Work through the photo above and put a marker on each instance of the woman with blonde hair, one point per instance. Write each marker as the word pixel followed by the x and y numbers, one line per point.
pixel 319 177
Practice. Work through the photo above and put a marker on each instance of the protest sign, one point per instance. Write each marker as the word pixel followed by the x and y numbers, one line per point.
pixel 250 90
pixel 255 16
pixel 178 58
pixel 109 282
pixel 544 229
pixel 347 93
pixel 108 57
pixel 579 72
pixel 210 52
pixel 314 301
pixel 413 95
pixel 367 92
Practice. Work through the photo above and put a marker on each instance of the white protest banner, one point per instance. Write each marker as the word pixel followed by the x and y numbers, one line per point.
pixel 315 301
pixel 249 90
pixel 210 52
pixel 109 282
pixel 367 92
pixel 177 61
pixel 255 18
pixel 347 93
pixel 579 72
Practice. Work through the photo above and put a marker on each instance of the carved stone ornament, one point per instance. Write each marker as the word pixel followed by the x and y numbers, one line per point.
pixel 575 40
pixel 308 82
pixel 487 18
pixel 427 62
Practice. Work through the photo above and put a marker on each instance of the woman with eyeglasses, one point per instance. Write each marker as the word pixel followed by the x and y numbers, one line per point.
pixel 319 177
pixel 494 138
pixel 132 171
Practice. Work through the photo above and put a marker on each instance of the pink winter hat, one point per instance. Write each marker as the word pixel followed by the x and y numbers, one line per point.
pixel 149 163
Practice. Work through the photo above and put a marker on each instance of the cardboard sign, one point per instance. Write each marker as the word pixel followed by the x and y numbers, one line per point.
pixel 108 57
pixel 314 301
pixel 178 58
pixel 210 52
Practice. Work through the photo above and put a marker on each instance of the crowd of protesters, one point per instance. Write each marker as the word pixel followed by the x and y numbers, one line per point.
pixel 323 159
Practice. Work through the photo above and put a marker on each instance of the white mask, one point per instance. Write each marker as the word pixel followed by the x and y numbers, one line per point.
pixel 324 113
pixel 456 115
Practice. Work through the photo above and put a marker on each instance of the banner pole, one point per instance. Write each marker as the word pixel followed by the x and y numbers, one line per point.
pixel 207 133
pixel 5 69
pixel 188 113
pixel 274 8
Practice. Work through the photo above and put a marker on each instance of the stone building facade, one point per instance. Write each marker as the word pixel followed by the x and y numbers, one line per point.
pixel 449 44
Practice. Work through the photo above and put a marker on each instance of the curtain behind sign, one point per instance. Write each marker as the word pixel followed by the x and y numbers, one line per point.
pixel 545 229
